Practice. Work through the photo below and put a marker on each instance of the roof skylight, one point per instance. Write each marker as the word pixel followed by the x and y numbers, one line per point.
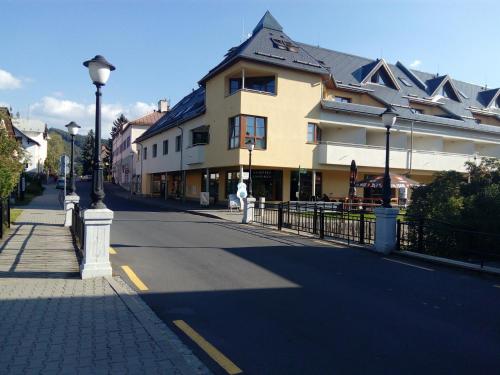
pixel 405 82
pixel 284 45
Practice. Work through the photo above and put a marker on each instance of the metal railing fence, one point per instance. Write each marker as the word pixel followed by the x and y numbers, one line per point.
pixel 78 227
pixel 327 220
pixel 442 239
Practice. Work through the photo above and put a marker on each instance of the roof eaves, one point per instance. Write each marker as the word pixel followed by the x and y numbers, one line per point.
pixel 196 114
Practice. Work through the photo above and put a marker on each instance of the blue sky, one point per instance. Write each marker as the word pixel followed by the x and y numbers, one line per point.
pixel 162 48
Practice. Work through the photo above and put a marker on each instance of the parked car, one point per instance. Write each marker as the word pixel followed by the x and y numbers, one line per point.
pixel 86 177
pixel 60 183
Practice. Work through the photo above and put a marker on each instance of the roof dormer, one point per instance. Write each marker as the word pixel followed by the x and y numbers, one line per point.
pixel 378 72
pixel 443 86
pixel 490 98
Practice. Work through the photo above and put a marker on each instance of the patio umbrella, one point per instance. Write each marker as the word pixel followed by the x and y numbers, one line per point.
pixel 397 181
pixel 352 179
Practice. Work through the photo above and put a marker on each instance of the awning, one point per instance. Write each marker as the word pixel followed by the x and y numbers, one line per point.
pixel 397 181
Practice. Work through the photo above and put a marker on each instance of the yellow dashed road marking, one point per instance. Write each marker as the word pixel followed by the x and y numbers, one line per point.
pixel 212 351
pixel 134 278
pixel 112 251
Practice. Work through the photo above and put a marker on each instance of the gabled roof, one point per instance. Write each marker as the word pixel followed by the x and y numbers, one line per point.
pixel 374 67
pixel 20 134
pixel 435 84
pixel 189 107
pixel 146 120
pixel 488 97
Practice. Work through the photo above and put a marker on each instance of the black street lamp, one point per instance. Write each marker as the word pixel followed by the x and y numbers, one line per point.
pixel 72 130
pixel 99 70
pixel 250 146
pixel 389 119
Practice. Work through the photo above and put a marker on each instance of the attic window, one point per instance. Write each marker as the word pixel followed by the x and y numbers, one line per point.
pixel 405 82
pixel 285 45
pixel 382 78
pixel 447 92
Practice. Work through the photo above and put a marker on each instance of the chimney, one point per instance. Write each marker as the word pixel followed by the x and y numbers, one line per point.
pixel 163 105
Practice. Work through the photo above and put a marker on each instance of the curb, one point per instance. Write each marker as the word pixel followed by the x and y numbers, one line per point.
pixel 449 262
pixel 183 358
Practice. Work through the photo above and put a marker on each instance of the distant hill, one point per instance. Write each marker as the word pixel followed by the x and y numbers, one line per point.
pixel 79 143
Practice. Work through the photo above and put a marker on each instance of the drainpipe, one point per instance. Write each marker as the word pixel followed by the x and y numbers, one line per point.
pixel 183 177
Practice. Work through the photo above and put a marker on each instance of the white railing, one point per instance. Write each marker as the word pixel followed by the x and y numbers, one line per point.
pixel 338 153
pixel 195 154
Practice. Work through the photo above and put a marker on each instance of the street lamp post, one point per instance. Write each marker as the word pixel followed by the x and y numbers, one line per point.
pixel 99 70
pixel 250 146
pixel 72 130
pixel 389 119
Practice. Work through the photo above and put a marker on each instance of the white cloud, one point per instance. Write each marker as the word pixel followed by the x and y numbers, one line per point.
pixel 415 64
pixel 8 81
pixel 58 112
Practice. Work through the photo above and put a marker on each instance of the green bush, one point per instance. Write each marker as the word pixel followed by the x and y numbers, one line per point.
pixel 460 213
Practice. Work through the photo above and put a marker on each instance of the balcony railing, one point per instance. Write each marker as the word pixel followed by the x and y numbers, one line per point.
pixel 338 153
pixel 195 154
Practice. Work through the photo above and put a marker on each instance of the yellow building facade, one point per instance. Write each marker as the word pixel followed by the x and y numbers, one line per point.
pixel 289 100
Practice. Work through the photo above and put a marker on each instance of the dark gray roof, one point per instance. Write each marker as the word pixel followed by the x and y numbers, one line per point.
pixel 350 70
pixel 268 22
pixel 191 106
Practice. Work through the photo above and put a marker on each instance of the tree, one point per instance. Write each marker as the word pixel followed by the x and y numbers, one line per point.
pixel 12 159
pixel 55 148
pixel 88 153
pixel 461 212
pixel 118 125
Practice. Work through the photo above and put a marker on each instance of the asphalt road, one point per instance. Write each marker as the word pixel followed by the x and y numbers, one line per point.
pixel 281 304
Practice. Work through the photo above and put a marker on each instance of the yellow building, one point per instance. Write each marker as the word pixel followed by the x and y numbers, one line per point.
pixel 315 109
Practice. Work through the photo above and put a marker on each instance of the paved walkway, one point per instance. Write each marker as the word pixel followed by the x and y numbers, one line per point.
pixel 53 322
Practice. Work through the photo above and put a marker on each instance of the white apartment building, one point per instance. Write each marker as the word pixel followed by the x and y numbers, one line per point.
pixel 126 164
pixel 33 135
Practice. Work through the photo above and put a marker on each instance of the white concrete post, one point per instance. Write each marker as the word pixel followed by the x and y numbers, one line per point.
pixel 96 250
pixel 69 205
pixel 248 210
pixel 385 232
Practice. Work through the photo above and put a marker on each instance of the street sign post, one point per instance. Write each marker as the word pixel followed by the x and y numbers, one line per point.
pixel 64 169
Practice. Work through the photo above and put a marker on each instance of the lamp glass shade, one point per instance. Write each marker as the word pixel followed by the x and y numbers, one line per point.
pixel 250 145
pixel 389 118
pixel 73 128
pixel 99 72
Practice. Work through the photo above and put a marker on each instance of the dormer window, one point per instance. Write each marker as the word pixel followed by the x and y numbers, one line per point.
pixel 448 92
pixel 284 45
pixel 379 78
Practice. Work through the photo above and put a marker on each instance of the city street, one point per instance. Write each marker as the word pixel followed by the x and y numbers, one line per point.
pixel 275 303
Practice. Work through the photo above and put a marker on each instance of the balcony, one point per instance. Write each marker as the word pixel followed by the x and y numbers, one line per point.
pixel 336 153
pixel 195 154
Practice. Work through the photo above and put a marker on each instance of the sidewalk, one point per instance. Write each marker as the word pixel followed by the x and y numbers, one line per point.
pixel 54 322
